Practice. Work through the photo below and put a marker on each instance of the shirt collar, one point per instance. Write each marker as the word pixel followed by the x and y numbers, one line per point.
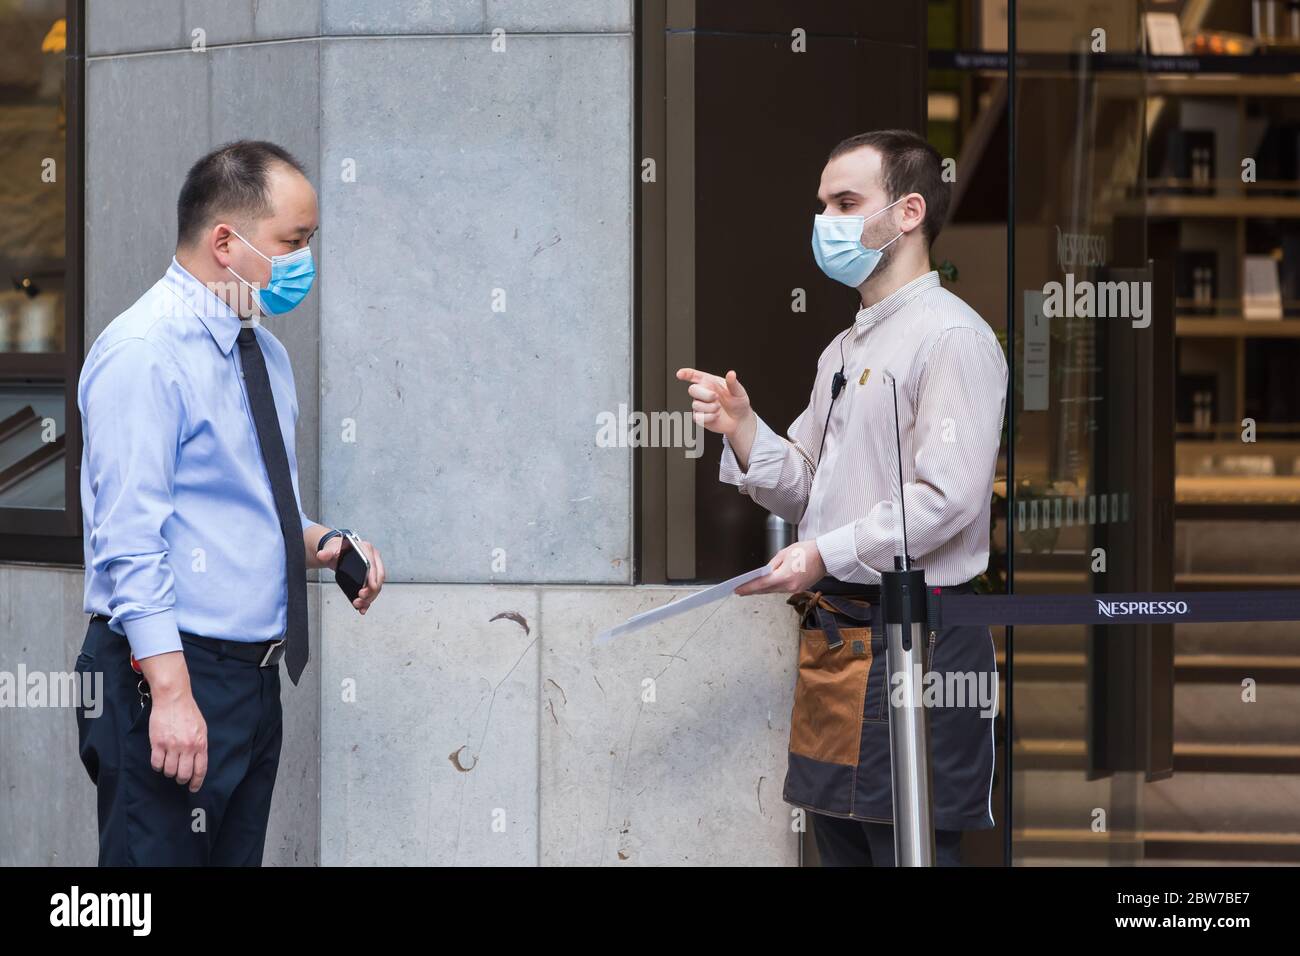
pixel 869 316
pixel 220 319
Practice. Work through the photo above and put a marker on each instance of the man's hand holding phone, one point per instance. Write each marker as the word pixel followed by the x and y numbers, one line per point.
pixel 357 566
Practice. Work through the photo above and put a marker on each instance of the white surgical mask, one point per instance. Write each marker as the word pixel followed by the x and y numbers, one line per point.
pixel 838 249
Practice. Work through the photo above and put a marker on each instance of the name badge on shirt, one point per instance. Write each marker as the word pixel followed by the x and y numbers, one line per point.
pixel 863 379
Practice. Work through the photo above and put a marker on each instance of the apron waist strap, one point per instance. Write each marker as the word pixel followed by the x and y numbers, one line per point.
pixel 832 602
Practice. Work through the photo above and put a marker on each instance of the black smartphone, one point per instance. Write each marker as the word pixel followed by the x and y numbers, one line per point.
pixel 353 566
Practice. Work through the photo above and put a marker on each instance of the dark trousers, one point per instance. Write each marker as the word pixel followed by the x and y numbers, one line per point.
pixel 148 819
pixel 843 842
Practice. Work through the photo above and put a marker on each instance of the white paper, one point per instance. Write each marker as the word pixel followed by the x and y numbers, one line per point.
pixel 700 598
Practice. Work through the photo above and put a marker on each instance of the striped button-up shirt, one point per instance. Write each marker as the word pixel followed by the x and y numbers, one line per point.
pixel 951 380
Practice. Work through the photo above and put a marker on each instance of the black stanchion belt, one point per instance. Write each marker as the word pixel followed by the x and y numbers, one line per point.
pixel 1179 607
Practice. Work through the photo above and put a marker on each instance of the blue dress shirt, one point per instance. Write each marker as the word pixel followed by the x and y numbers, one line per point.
pixel 181 532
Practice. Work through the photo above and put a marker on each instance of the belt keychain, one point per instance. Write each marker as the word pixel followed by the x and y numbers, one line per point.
pixel 142 686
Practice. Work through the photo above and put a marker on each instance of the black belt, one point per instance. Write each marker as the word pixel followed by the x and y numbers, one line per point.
pixel 825 609
pixel 830 585
pixel 261 653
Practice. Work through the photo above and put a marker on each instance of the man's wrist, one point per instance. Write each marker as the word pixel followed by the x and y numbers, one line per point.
pixel 740 443
pixel 819 566
pixel 167 675
pixel 745 431
pixel 839 552
pixel 333 533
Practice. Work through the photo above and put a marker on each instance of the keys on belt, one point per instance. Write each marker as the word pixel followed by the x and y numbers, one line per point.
pixel 261 653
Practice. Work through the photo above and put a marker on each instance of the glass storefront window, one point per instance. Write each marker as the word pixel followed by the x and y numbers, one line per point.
pixel 40 276
pixel 31 446
pixel 33 153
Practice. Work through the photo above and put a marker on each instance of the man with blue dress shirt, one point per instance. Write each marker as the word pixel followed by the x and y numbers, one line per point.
pixel 196 544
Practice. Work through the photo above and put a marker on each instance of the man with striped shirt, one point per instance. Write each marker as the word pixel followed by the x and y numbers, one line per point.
pixel 885 201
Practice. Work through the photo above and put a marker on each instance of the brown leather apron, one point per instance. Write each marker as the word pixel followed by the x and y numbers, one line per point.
pixel 835 656
pixel 839 723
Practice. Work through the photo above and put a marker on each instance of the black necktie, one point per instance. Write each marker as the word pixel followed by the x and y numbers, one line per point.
pixel 269 437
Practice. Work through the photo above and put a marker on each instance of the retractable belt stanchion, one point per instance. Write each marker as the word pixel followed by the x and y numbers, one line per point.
pixel 910 610
pixel 903 612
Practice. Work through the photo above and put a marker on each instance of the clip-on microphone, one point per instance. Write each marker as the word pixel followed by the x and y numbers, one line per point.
pixel 838 381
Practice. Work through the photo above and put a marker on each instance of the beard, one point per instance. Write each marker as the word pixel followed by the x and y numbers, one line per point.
pixel 886 254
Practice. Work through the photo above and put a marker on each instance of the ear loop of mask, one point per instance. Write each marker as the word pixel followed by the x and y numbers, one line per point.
pixel 251 288
pixel 890 242
pixel 871 217
pixel 253 247
pixel 868 219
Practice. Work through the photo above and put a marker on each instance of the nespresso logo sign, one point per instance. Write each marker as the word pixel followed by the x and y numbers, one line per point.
pixel 1079 249
pixel 1126 608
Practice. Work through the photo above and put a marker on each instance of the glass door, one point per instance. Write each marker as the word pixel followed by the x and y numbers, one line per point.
pixel 1090 476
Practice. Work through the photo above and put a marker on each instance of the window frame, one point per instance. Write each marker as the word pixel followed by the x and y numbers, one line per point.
pixel 33 534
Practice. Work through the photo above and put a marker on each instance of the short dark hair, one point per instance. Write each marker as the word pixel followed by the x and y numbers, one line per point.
pixel 908 164
pixel 229 181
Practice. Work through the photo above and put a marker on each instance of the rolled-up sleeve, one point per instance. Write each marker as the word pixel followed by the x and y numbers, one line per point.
pixel 960 404
pixel 134 419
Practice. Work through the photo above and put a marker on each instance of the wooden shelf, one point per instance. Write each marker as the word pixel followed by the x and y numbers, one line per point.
pixel 1081 580
pixel 1222 84
pixel 1225 581
pixel 1279 438
pixel 1237 490
pixel 1211 327
pixel 1211 207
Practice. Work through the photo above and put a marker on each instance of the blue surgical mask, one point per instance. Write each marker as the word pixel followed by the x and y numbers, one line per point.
pixel 291 278
pixel 838 249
